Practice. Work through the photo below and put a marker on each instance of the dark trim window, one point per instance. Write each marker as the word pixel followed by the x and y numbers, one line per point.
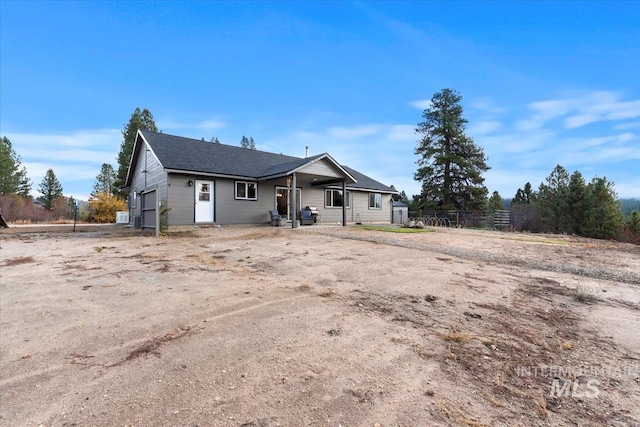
pixel 333 199
pixel 375 201
pixel 246 190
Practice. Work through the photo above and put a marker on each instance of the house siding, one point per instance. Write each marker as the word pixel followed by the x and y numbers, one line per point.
pixel 321 168
pixel 181 199
pixel 362 212
pixel 156 178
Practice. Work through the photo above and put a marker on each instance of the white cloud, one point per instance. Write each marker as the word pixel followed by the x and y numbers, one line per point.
pixel 484 127
pixel 402 133
pixel 581 110
pixel 421 104
pixel 211 124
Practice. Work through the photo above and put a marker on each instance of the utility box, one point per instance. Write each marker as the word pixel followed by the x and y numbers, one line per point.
pixel 137 222
pixel 122 217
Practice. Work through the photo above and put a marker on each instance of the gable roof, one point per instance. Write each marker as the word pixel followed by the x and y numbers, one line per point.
pixel 180 154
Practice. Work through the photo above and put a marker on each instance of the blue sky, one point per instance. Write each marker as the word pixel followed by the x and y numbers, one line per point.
pixel 543 83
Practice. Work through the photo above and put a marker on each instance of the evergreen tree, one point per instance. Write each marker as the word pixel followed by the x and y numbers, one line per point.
pixel 603 217
pixel 105 180
pixel 575 204
pixel 495 202
pixel 552 199
pixel 139 120
pixel 524 197
pixel 247 143
pixel 450 166
pixel 13 178
pixel 50 188
pixel 400 197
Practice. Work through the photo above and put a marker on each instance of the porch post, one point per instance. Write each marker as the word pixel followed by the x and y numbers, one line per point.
pixel 344 202
pixel 294 207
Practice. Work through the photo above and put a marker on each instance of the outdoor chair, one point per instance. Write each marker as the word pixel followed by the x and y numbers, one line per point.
pixel 276 219
pixel 306 217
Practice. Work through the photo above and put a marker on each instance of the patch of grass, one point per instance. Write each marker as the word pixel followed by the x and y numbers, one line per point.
pixel 393 229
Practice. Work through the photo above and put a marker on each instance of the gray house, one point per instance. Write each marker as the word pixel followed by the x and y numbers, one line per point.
pixel 198 182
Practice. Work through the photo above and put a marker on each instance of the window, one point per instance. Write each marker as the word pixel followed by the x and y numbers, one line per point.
pixel 333 199
pixel 246 190
pixel 375 201
pixel 204 193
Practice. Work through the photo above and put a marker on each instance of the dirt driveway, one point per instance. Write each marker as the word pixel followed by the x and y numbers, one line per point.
pixel 320 326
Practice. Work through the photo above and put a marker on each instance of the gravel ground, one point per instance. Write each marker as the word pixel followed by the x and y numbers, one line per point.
pixel 319 326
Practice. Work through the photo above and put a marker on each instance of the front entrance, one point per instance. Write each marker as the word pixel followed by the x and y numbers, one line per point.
pixel 283 201
pixel 204 201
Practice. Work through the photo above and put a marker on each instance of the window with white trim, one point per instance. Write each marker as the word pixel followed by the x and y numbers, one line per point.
pixel 334 199
pixel 375 201
pixel 246 190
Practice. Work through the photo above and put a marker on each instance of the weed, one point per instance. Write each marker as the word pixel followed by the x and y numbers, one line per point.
pixel 584 295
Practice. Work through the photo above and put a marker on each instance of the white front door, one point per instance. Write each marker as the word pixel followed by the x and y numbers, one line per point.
pixel 204 201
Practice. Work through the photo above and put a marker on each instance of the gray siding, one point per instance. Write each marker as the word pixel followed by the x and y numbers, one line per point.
pixel 232 211
pixel 322 167
pixel 155 177
pixel 181 199
pixel 228 210
pixel 360 203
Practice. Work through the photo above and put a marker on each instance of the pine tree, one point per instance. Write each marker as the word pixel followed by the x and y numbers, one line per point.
pixel 552 199
pixel 50 188
pixel 105 181
pixel 575 203
pixel 495 202
pixel 524 197
pixel 13 178
pixel 139 120
pixel 450 166
pixel 247 143
pixel 603 217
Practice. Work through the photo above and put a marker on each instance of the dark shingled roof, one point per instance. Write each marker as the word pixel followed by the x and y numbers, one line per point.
pixel 187 154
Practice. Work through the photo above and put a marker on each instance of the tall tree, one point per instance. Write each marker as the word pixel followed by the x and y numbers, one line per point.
pixel 247 143
pixel 495 202
pixel 139 120
pixel 552 199
pixel 575 203
pixel 13 178
pixel 603 217
pixel 524 196
pixel 400 197
pixel 50 188
pixel 450 166
pixel 105 180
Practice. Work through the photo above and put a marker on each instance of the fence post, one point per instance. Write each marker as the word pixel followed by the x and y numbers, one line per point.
pixel 158 207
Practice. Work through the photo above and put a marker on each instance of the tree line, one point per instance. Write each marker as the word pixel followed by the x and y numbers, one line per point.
pixel 450 168
pixel 107 197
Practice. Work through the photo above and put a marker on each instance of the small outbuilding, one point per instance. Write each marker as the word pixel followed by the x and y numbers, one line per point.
pixel 399 212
